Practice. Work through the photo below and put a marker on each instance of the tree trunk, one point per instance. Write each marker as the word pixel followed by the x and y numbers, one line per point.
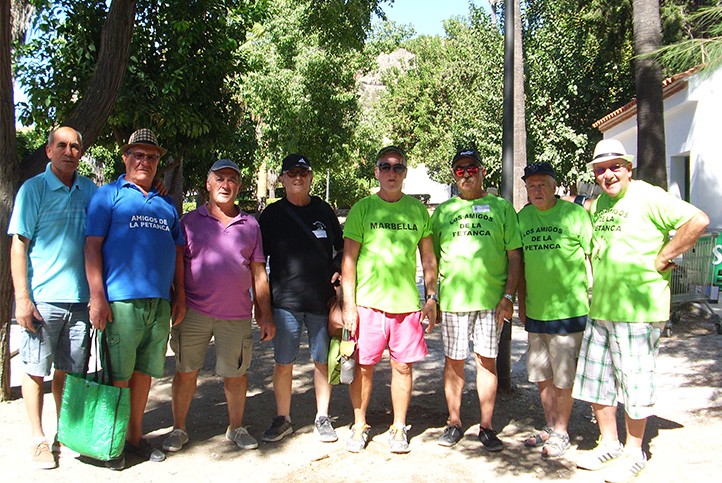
pixel 651 157
pixel 520 160
pixel 8 163
pixel 22 12
pixel 96 105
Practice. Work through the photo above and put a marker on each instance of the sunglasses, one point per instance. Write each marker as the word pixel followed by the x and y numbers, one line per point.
pixel 303 173
pixel 386 167
pixel 472 169
pixel 615 168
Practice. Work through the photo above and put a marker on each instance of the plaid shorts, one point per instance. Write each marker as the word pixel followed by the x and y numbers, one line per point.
pixel 459 329
pixel 617 360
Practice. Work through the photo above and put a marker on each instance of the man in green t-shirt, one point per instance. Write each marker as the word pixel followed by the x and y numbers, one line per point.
pixel 380 297
pixel 631 260
pixel 476 240
pixel 553 299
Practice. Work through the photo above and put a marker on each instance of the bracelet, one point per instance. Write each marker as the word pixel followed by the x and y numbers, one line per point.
pixel 509 297
pixel 432 296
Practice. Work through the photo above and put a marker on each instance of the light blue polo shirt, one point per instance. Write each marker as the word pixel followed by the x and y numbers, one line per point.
pixel 52 216
pixel 140 234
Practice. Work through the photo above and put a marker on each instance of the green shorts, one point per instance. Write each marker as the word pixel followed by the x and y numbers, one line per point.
pixel 138 337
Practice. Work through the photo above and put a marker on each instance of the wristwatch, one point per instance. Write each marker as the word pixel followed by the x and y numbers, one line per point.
pixel 432 296
pixel 509 297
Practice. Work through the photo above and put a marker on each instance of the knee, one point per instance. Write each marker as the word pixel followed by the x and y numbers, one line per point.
pixel 402 369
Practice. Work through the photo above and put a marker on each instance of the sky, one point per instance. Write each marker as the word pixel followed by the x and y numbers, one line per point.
pixel 427 16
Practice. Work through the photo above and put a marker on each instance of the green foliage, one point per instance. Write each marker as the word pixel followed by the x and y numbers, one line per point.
pixel 28 140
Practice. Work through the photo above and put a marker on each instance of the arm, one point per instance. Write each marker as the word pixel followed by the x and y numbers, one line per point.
pixel 685 238
pixel 262 297
pixel 505 308
pixel 178 296
pixel 100 312
pixel 521 294
pixel 351 249
pixel 429 265
pixel 25 310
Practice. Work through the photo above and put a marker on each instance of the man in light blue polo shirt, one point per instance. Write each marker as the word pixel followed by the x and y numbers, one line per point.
pixel 48 271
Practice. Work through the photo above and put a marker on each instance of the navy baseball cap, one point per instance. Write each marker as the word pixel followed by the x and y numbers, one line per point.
pixel 467 153
pixel 225 163
pixel 539 168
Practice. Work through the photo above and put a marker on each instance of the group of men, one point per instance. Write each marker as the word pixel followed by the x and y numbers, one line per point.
pixel 143 267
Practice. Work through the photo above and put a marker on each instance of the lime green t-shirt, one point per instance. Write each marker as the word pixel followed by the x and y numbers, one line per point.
pixel 629 233
pixel 556 242
pixel 389 234
pixel 471 238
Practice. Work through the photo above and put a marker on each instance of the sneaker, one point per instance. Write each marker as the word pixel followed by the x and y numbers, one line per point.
pixel 324 430
pixel 42 457
pixel 145 451
pixel 280 427
pixel 241 437
pixel 116 464
pixel 175 440
pixel 626 468
pixel 398 440
pixel 452 435
pixel 597 458
pixel 359 436
pixel 490 440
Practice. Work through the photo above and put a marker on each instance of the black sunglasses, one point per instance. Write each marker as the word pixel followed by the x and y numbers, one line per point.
pixel 386 167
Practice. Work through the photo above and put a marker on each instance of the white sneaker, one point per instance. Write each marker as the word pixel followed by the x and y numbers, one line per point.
pixel 626 468
pixel 598 458
pixel 241 437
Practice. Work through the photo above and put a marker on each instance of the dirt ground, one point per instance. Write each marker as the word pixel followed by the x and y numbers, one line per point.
pixel 683 439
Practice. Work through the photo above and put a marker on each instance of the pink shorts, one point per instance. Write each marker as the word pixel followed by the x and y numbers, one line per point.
pixel 403 333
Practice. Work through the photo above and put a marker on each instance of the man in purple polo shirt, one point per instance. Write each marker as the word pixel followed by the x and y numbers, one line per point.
pixel 223 261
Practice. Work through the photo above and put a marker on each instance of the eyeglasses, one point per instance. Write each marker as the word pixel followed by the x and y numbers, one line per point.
pixel 138 156
pixel 303 173
pixel 615 168
pixel 472 169
pixel 386 167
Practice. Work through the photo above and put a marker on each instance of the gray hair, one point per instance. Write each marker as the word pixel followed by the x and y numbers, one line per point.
pixel 51 136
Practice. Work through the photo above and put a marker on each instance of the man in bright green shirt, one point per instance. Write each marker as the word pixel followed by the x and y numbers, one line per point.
pixel 553 299
pixel 476 239
pixel 380 297
pixel 631 260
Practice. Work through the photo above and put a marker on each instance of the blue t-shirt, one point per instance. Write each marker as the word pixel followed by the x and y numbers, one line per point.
pixel 52 216
pixel 140 234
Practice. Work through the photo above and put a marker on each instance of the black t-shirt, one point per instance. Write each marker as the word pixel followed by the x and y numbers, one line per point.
pixel 300 273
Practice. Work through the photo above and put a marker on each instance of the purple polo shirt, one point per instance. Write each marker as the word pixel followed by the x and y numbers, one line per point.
pixel 218 263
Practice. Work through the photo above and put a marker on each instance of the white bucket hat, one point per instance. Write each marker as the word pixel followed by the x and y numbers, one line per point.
pixel 607 149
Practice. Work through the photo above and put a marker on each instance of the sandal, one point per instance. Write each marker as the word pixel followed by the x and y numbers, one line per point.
pixel 536 440
pixel 556 445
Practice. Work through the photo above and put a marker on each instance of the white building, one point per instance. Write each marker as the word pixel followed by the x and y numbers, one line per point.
pixel 692 119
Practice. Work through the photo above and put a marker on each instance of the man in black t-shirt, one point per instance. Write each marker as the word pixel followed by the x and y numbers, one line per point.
pixel 303 239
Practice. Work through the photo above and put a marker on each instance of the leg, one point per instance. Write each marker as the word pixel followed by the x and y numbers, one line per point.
pixel 563 403
pixel 401 382
pixel 486 383
pixel 282 381
pixel 57 388
pixel 635 433
pixel 360 392
pixel 184 388
pixel 322 388
pixel 139 390
pixel 235 389
pixel 454 388
pixel 607 421
pixel 32 389
pixel 548 399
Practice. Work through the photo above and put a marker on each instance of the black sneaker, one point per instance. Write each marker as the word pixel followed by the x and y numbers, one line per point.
pixel 145 451
pixel 116 464
pixel 490 440
pixel 280 427
pixel 452 435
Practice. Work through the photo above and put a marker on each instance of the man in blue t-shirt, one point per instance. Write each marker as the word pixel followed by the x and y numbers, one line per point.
pixel 48 272
pixel 134 256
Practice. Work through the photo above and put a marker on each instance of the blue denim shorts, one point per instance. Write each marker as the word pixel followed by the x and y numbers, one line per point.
pixel 60 339
pixel 288 335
